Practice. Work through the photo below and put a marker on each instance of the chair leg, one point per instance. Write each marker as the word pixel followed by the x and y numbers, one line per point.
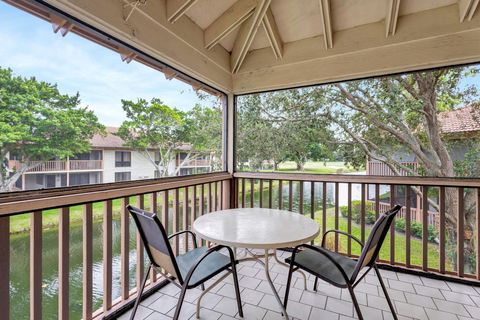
pixel 237 290
pixel 390 304
pixel 315 284
pixel 355 303
pixel 139 296
pixel 180 302
pixel 287 288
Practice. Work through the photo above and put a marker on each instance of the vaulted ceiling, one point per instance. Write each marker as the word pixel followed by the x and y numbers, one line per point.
pixel 241 26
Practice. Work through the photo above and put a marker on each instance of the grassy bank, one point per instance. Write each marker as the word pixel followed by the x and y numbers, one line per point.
pixel 416 257
pixel 316 167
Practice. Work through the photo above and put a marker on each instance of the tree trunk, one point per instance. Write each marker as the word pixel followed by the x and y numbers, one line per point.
pixel 300 166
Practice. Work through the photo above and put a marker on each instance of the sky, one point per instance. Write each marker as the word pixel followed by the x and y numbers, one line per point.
pixel 30 48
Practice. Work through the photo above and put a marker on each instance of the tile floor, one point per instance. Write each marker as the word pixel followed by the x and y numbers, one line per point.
pixel 414 298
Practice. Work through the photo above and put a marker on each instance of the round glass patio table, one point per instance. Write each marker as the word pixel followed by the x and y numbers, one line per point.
pixel 256 228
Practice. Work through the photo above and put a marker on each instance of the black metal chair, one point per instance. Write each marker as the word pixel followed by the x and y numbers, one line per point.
pixel 190 269
pixel 339 270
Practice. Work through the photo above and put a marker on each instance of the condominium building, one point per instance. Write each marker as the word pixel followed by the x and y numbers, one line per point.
pixel 108 161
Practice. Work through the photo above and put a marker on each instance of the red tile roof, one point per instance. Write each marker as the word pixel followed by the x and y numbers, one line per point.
pixel 109 141
pixel 112 141
pixel 466 119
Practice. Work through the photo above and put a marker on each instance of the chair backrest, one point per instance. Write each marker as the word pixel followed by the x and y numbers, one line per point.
pixel 155 240
pixel 375 240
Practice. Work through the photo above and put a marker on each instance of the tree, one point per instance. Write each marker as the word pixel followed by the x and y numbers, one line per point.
pixel 383 117
pixel 153 127
pixel 271 128
pixel 38 123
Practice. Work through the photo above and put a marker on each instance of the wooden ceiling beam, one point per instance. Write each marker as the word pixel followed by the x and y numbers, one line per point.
pixel 467 9
pixel 177 8
pixel 247 33
pixel 169 74
pixel 59 24
pixel 126 55
pixel 326 23
pixel 427 39
pixel 391 18
pixel 228 21
pixel 273 35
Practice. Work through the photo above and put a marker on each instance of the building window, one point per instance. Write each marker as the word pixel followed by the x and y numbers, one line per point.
pixel 123 159
pixel 123 176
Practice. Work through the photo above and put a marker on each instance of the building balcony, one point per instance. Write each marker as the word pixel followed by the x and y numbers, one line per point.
pixel 425 280
pixel 57 165
pixel 193 163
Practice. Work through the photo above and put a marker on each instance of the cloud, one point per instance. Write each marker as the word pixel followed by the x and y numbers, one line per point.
pixel 30 48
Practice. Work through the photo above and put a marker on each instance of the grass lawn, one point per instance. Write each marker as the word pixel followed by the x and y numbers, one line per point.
pixel 316 167
pixel 400 243
pixel 21 222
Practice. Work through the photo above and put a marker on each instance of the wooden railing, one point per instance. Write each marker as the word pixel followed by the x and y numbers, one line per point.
pixel 319 196
pixel 39 166
pixel 194 163
pixel 86 165
pixel 57 165
pixel 415 213
pixel 178 202
pixel 381 169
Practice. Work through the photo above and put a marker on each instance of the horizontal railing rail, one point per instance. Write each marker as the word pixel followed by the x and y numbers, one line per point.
pixel 177 200
pixel 443 238
pixel 352 178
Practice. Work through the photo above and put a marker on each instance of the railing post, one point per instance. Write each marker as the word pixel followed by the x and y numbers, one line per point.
pixel 5 267
pixel 63 263
pixel 460 232
pixel 36 266
pixel 227 195
pixel 107 255
pixel 424 228
pixel 124 248
pixel 87 262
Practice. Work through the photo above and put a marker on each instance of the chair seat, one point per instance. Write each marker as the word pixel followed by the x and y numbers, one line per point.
pixel 208 268
pixel 320 266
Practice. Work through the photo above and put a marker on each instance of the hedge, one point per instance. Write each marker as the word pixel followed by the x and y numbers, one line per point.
pixel 415 227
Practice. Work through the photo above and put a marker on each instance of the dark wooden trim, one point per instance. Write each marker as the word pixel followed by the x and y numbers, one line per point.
pixel 20 202
pixel 342 178
pixel 64 263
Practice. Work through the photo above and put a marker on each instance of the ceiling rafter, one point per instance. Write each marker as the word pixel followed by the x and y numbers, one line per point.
pixel 126 55
pixel 177 8
pixel 59 24
pixel 393 9
pixel 169 74
pixel 273 35
pixel 467 9
pixel 247 33
pixel 228 21
pixel 326 23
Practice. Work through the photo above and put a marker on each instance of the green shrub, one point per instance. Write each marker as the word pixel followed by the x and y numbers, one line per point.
pixel 416 229
pixel 356 208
